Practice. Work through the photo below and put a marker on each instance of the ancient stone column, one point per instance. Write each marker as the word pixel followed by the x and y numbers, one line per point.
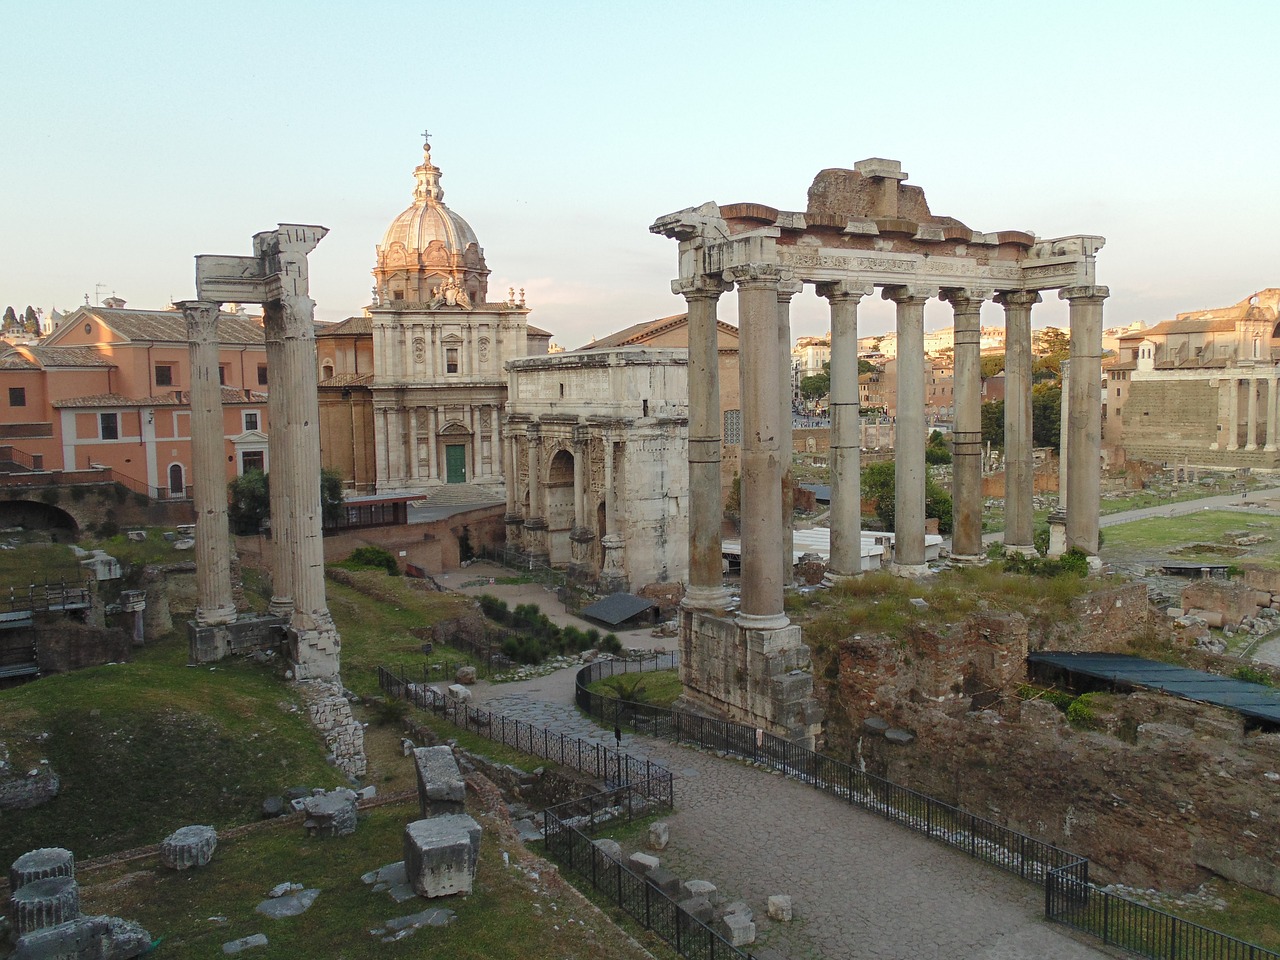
pixel 966 476
pixel 909 474
pixel 1251 438
pixel 1085 424
pixel 535 522
pixel 1019 466
pixel 846 431
pixel 613 576
pixel 314 638
pixel 1064 433
pixel 1270 384
pixel 279 467
pixel 214 602
pixel 1233 413
pixel 786 290
pixel 579 478
pixel 706 589
pixel 762 454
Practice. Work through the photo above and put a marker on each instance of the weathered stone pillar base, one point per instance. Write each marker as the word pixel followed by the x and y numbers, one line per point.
pixel 613 577
pixel 1024 550
pixel 534 541
pixel 581 567
pixel 1057 534
pixel 515 530
pixel 313 651
pixel 756 677
pixel 967 558
pixel 910 570
pixel 706 599
pixel 207 643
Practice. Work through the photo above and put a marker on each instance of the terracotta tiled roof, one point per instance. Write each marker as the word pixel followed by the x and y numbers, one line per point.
pixel 348 380
pixel 16 361
pixel 69 357
pixel 536 331
pixel 1167 327
pixel 350 327
pixel 178 398
pixel 169 325
pixel 637 333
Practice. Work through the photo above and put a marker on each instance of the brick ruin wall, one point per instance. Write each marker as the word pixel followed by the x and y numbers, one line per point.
pixel 1162 793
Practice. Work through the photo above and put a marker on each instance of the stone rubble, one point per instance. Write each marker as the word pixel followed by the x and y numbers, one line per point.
pixel 330 713
pixel 245 943
pixel 189 847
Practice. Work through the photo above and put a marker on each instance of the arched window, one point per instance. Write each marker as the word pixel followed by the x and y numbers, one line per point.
pixel 326 371
pixel 176 487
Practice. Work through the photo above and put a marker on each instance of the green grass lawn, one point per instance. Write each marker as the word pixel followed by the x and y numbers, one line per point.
pixel 1159 537
pixel 658 688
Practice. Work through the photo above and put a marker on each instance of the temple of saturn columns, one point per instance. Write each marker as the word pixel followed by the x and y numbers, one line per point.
pixel 276 277
pixel 864 228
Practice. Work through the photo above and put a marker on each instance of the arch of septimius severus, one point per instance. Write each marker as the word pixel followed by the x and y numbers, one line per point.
pixel 864 228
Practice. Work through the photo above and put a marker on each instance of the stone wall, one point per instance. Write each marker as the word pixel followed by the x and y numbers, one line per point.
pixel 330 713
pixel 1044 480
pixel 63 644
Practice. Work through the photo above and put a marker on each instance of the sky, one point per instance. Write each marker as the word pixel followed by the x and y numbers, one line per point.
pixel 140 134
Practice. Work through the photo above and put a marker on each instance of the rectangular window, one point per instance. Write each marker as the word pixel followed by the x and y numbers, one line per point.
pixel 262 374
pixel 17 396
pixel 164 375
pixel 222 376
pixel 251 460
pixel 109 426
pixel 251 420
pixel 733 427
pixel 451 360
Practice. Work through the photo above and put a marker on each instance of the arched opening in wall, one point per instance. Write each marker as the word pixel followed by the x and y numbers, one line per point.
pixel 177 486
pixel 326 371
pixel 33 515
pixel 560 506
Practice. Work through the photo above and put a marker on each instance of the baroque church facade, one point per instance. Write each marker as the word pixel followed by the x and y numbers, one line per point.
pixel 434 350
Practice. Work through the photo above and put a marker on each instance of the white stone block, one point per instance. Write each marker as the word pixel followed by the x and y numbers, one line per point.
pixel 189 847
pixel 642 862
pixel 460 693
pixel 738 929
pixel 780 907
pixel 659 835
pixel 701 888
pixel 440 854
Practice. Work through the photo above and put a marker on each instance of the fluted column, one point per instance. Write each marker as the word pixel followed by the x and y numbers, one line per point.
pixel 1251 436
pixel 706 589
pixel 1270 384
pixel 1064 432
pixel 536 514
pixel 909 474
pixel 846 429
pixel 966 473
pixel 762 454
pixel 579 479
pixel 208 466
pixel 1085 425
pixel 1019 465
pixel 509 472
pixel 279 466
pixel 433 424
pixel 786 290
pixel 1233 413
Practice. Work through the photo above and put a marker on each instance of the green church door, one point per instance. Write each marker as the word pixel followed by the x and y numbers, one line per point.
pixel 455 463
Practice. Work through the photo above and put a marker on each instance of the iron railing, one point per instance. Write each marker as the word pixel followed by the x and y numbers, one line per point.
pixel 567 831
pixel 1069 897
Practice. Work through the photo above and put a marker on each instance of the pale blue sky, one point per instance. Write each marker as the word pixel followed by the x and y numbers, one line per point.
pixel 139 134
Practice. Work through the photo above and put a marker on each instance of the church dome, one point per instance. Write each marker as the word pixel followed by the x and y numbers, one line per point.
pixel 428 249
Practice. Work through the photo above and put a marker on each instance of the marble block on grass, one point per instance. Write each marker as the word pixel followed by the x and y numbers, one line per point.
pixel 43 903
pixel 331 814
pixel 84 938
pixel 40 864
pixel 440 854
pixel 189 847
pixel 441 788
pixel 245 943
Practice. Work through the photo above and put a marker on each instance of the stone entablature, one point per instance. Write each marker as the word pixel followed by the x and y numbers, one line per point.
pixel 596 448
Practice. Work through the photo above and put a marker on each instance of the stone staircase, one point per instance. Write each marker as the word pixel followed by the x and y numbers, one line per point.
pixel 463 495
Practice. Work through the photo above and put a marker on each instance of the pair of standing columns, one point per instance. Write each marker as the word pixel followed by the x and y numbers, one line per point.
pixel 1231 387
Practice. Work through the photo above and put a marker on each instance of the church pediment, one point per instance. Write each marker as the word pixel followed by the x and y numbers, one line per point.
pixel 454 428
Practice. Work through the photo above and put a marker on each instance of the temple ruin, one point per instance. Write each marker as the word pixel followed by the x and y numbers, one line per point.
pixel 864 228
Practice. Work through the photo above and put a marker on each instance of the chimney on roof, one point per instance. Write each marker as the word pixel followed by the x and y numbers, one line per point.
pixel 113 303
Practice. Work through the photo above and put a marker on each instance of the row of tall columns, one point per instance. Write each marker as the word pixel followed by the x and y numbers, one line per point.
pixel 909 474
pixel 1255 407
pixel 966 494
pixel 1085 415
pixel 1019 471
pixel 706 589
pixel 213 543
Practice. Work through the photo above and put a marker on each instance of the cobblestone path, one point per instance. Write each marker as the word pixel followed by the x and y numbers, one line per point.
pixel 861 887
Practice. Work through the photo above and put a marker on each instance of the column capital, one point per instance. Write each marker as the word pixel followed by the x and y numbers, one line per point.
pixel 845 290
pixel 201 317
pixel 757 273
pixel 788 289
pixel 1018 298
pixel 1086 293
pixel 909 293
pixel 702 287
pixel 965 299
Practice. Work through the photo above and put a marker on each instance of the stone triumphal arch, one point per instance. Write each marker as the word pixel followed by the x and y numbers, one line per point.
pixel 864 229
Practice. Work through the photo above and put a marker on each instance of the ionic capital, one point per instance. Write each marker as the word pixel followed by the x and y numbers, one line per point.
pixel 1088 294
pixel 788 289
pixel 202 319
pixel 909 294
pixel 845 290
pixel 702 287
pixel 758 273
pixel 965 300
pixel 1017 299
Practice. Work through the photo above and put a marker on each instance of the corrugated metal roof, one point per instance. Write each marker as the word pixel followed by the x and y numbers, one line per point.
pixel 616 608
pixel 1249 699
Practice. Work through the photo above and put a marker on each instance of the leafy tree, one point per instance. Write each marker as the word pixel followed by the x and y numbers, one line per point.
pixel 249 499
pixel 1056 347
pixel 866 366
pixel 937 451
pixel 331 496
pixel 30 321
pixel 993 423
pixel 878 484
pixel 10 320
pixel 815 387
pixel 1046 415
pixel 992 364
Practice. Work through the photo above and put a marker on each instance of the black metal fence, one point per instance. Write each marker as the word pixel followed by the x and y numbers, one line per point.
pixel 613 767
pixel 567 832
pixel 1069 897
pixel 524 564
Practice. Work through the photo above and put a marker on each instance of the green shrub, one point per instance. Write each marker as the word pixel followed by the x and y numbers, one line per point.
pixel 372 558
pixel 495 609
pixel 1253 675
pixel 1075 561
pixel 611 644
pixel 1080 713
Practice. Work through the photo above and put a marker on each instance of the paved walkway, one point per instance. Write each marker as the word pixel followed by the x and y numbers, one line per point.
pixel 861 887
